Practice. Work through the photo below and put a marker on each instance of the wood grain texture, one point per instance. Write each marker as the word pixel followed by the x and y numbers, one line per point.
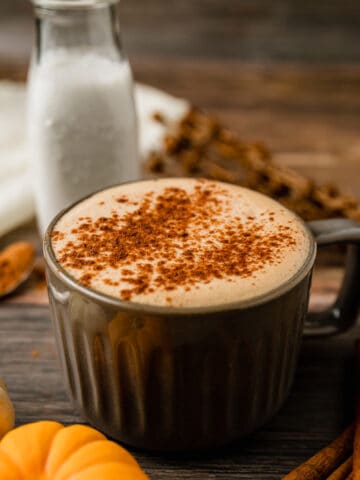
pixel 250 30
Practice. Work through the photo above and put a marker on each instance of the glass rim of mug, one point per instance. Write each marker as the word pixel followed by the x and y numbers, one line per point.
pixel 64 276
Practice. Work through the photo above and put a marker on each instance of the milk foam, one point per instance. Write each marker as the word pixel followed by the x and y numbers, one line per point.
pixel 236 205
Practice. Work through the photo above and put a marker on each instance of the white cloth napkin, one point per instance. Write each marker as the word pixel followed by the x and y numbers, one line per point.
pixel 16 198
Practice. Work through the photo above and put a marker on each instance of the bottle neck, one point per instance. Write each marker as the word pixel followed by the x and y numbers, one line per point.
pixel 91 26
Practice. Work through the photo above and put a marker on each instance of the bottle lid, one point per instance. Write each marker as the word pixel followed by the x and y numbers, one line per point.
pixel 75 4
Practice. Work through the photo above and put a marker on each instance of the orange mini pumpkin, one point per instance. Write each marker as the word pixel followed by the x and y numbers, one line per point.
pixel 7 414
pixel 49 451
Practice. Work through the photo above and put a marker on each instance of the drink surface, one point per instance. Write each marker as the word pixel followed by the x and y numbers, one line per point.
pixel 181 243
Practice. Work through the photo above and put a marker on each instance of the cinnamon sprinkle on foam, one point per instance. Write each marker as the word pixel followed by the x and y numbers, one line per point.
pixel 175 238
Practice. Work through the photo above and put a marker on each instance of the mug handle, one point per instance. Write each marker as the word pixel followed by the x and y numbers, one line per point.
pixel 343 313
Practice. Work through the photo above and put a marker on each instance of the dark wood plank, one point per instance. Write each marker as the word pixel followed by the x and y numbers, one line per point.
pixel 255 30
pixel 259 30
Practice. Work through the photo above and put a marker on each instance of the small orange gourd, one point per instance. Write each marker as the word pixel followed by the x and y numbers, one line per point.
pixel 7 414
pixel 49 451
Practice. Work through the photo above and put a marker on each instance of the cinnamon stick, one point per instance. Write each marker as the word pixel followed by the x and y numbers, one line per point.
pixel 323 463
pixel 342 472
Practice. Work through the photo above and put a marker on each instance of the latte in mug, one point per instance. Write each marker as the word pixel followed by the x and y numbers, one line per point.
pixel 180 243
pixel 178 307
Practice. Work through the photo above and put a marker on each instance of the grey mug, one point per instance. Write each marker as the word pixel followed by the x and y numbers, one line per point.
pixel 165 378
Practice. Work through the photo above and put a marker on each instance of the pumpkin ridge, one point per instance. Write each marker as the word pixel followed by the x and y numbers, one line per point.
pixel 11 463
pixel 47 450
pixel 50 448
pixel 7 412
pixel 27 445
pixel 98 452
pixel 88 435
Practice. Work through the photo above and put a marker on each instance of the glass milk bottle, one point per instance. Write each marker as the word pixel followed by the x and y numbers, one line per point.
pixel 81 114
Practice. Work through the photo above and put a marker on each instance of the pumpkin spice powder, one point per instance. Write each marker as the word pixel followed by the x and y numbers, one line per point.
pixel 174 239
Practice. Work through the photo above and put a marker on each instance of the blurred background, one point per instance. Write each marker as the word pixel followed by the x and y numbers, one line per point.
pixel 285 72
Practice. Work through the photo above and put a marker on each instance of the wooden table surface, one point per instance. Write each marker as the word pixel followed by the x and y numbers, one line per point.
pixel 304 103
